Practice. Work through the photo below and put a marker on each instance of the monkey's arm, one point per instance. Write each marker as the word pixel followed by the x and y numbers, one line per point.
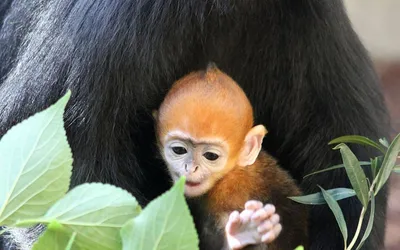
pixel 294 218
pixel 276 187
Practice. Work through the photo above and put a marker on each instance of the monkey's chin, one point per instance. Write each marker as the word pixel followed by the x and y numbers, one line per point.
pixel 193 189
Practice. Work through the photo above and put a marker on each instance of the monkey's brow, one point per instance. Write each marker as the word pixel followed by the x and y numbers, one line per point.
pixel 182 135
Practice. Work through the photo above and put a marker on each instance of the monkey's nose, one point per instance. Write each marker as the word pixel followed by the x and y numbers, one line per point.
pixel 194 168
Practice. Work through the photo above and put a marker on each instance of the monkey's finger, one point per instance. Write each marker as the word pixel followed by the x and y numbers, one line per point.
pixel 270 208
pixel 260 215
pixel 234 217
pixel 277 229
pixel 234 223
pixel 264 213
pixel 265 227
pixel 272 235
pixel 245 216
pixel 253 205
pixel 275 219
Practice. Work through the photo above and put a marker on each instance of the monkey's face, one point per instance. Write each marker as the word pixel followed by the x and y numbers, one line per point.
pixel 202 162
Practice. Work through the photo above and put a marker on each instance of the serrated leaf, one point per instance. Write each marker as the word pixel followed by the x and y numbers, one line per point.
pixel 384 142
pixel 95 212
pixel 35 165
pixel 389 162
pixel 337 212
pixel 357 139
pixel 55 239
pixel 370 223
pixel 165 224
pixel 355 173
pixel 318 198
pixel 362 163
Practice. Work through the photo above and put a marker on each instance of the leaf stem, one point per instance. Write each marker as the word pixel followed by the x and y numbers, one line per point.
pixel 363 211
pixel 360 221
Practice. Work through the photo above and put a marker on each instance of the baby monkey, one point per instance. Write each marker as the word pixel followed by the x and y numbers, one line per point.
pixel 205 132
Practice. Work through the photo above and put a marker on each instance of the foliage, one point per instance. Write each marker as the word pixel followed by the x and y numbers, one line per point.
pixel 381 167
pixel 36 165
pixel 35 173
pixel 164 224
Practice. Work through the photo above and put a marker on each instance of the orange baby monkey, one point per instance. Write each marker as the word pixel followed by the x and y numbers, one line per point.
pixel 205 132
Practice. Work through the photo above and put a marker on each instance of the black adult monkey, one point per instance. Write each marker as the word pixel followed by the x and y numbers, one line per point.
pixel 301 64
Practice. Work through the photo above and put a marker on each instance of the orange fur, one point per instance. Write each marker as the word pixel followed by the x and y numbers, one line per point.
pixel 242 184
pixel 216 93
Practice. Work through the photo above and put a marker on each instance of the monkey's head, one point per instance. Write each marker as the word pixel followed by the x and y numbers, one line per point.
pixel 205 128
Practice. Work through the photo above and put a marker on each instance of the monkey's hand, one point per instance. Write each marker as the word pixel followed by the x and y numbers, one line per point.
pixel 257 224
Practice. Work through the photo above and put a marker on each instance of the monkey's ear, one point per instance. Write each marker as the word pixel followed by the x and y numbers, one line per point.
pixel 252 145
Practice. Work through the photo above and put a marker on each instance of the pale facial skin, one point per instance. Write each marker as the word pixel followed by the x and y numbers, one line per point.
pixel 199 159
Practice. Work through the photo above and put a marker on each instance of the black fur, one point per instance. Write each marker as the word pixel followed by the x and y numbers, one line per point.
pixel 304 69
pixel 15 25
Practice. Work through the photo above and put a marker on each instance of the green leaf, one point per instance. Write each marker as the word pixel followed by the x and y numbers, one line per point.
pixel 370 223
pixel 94 211
pixel 397 169
pixel 35 165
pixel 376 164
pixel 337 212
pixel 384 142
pixel 318 198
pixel 165 224
pixel 55 238
pixel 362 163
pixel 299 248
pixel 388 164
pixel 358 140
pixel 355 173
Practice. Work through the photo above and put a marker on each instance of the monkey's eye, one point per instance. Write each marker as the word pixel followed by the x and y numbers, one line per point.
pixel 211 156
pixel 179 150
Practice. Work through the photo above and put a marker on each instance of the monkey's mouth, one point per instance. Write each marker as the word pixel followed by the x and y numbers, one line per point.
pixel 195 188
pixel 192 183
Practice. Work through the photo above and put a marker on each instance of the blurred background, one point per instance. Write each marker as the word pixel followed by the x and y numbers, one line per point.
pixel 377 22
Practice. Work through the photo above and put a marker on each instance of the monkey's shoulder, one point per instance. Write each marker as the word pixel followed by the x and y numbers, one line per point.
pixel 274 178
pixel 264 181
